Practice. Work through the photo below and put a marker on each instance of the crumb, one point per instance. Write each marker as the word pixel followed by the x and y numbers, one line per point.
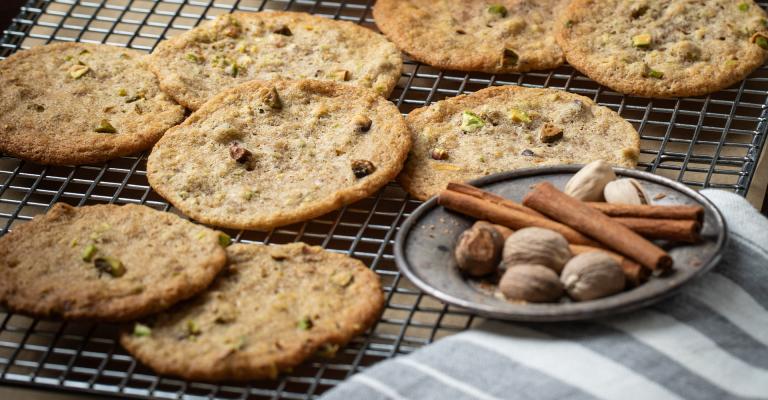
pixel 659 196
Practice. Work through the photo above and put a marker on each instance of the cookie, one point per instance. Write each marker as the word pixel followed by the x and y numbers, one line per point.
pixel 239 47
pixel 486 36
pixel 273 307
pixel 106 262
pixel 78 103
pixel 664 48
pixel 504 128
pixel 266 154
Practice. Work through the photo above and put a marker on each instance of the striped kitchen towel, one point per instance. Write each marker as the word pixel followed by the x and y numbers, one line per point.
pixel 709 342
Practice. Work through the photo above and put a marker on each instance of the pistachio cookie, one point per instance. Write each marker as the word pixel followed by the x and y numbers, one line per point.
pixel 266 154
pixel 273 307
pixel 504 128
pixel 498 36
pixel 664 48
pixel 78 103
pixel 106 262
pixel 239 47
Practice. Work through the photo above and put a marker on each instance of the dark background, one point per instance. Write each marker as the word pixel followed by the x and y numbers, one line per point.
pixel 8 10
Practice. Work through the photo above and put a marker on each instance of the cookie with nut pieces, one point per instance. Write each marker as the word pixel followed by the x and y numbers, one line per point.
pixel 106 262
pixel 500 36
pixel 239 47
pixel 79 103
pixel 273 307
pixel 266 154
pixel 667 48
pixel 510 127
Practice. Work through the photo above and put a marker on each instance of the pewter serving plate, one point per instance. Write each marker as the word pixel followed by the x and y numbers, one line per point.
pixel 424 251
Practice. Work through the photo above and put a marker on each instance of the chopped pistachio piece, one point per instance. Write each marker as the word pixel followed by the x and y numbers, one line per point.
pixel 470 122
pixel 68 58
pixel 439 153
pixel 518 115
pixel 122 92
pixel 233 69
pixel 88 252
pixel 83 52
pixel 743 7
pixel 141 330
pixel 140 95
pixel 446 167
pixel 328 350
pixel 192 57
pixel 509 58
pixel 642 40
pixel 77 71
pixel 305 324
pixel 342 278
pixel 731 63
pixel 339 75
pixel 105 127
pixel 655 74
pixel 498 10
pixel 109 265
pixel 569 24
pixel 224 239
pixel 760 40
pixel 193 328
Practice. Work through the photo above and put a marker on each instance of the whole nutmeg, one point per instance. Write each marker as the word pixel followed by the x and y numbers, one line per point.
pixel 626 191
pixel 536 246
pixel 592 275
pixel 531 282
pixel 478 250
pixel 589 182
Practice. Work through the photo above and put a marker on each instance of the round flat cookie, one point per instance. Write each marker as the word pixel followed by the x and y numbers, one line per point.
pixel 266 154
pixel 273 307
pixel 504 128
pixel 664 48
pixel 79 103
pixel 498 36
pixel 239 47
pixel 106 262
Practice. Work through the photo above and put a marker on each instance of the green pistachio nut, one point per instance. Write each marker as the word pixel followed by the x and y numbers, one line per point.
pixel 470 122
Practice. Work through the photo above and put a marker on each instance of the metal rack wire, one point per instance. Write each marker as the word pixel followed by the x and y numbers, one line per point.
pixel 712 141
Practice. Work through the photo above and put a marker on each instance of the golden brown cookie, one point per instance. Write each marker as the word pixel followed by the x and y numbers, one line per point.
pixel 239 47
pixel 273 307
pixel 106 262
pixel 664 48
pixel 79 103
pixel 510 127
pixel 266 154
pixel 499 36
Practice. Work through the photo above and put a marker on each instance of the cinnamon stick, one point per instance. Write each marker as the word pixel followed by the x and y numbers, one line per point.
pixel 508 217
pixel 650 211
pixel 635 273
pixel 546 199
pixel 677 230
pixel 491 197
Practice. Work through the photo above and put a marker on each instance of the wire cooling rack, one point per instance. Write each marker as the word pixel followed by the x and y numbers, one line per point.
pixel 711 141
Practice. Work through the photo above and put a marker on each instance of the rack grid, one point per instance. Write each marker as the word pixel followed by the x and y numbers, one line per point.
pixel 711 141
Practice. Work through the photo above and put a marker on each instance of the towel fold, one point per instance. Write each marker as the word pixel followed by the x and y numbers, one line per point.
pixel 708 342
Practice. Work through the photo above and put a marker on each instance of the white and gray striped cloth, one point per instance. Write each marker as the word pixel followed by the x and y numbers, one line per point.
pixel 709 342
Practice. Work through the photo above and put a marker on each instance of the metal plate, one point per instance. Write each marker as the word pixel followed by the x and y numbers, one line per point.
pixel 424 251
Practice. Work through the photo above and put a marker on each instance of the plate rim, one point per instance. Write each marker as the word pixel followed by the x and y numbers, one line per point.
pixel 412 221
